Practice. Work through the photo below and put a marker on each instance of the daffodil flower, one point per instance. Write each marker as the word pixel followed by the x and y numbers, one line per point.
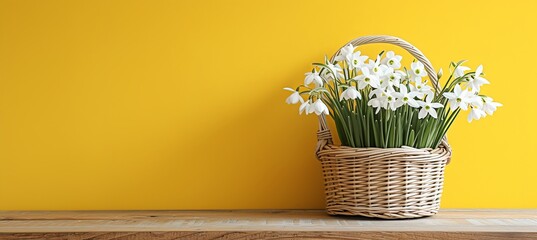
pixel 350 93
pixel 459 98
pixel 313 77
pixel 418 70
pixel 477 81
pixel 405 97
pixel 319 108
pixel 392 60
pixel 294 97
pixel 428 107
pixel 367 79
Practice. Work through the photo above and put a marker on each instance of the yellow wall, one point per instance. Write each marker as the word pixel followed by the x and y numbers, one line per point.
pixel 179 104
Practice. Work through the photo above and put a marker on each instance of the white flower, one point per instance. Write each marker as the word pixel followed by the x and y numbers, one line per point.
pixel 350 93
pixel 459 98
pixel 396 78
pixel 418 70
pixel 367 79
pixel 489 106
pixel 379 92
pixel 392 60
pixel 391 101
pixel 440 73
pixel 383 99
pixel 294 97
pixel 345 54
pixel 313 77
pixel 477 81
pixel 375 67
pixel 378 103
pixel 420 87
pixel 358 61
pixel 335 69
pixel 319 108
pixel 390 78
pixel 405 97
pixel 428 107
pixel 304 107
pixel 459 71
pixel 383 76
pixel 475 113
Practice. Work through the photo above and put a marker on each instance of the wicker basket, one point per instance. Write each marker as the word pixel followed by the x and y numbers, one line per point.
pixel 390 183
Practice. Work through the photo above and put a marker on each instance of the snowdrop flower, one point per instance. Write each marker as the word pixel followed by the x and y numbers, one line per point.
pixel 350 93
pixel 440 73
pixel 475 113
pixel 428 107
pixel 418 70
pixel 477 81
pixel 489 106
pixel 421 88
pixel 391 78
pixel 405 97
pixel 304 107
pixel 384 98
pixel 319 108
pixel 313 77
pixel 294 97
pixel 459 98
pixel 335 69
pixel 379 92
pixel 459 71
pixel 367 79
pixel 358 61
pixel 375 66
pixel 383 75
pixel 390 101
pixel 345 54
pixel 392 60
pixel 378 103
pixel 394 78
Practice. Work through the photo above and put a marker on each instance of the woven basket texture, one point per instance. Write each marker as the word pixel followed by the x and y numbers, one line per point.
pixel 389 183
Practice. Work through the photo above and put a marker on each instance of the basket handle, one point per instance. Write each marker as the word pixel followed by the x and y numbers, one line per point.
pixel 324 136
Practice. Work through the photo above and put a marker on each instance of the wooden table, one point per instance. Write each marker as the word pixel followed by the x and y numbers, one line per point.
pixel 259 224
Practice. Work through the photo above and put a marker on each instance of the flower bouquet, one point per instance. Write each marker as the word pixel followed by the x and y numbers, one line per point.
pixel 391 121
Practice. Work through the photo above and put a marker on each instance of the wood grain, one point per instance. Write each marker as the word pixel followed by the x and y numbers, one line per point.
pixel 269 235
pixel 257 224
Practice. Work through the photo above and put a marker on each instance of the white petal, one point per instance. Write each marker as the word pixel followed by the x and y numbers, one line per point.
pixel 422 114
pixel 412 103
pixel 289 89
pixel 479 70
pixel 433 113
pixel 436 105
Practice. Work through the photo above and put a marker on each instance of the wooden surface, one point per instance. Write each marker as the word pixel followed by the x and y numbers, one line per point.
pixel 309 224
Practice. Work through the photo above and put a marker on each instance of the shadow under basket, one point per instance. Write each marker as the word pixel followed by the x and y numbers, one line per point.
pixel 389 183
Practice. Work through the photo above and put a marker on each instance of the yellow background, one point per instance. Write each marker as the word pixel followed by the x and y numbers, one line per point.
pixel 179 104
